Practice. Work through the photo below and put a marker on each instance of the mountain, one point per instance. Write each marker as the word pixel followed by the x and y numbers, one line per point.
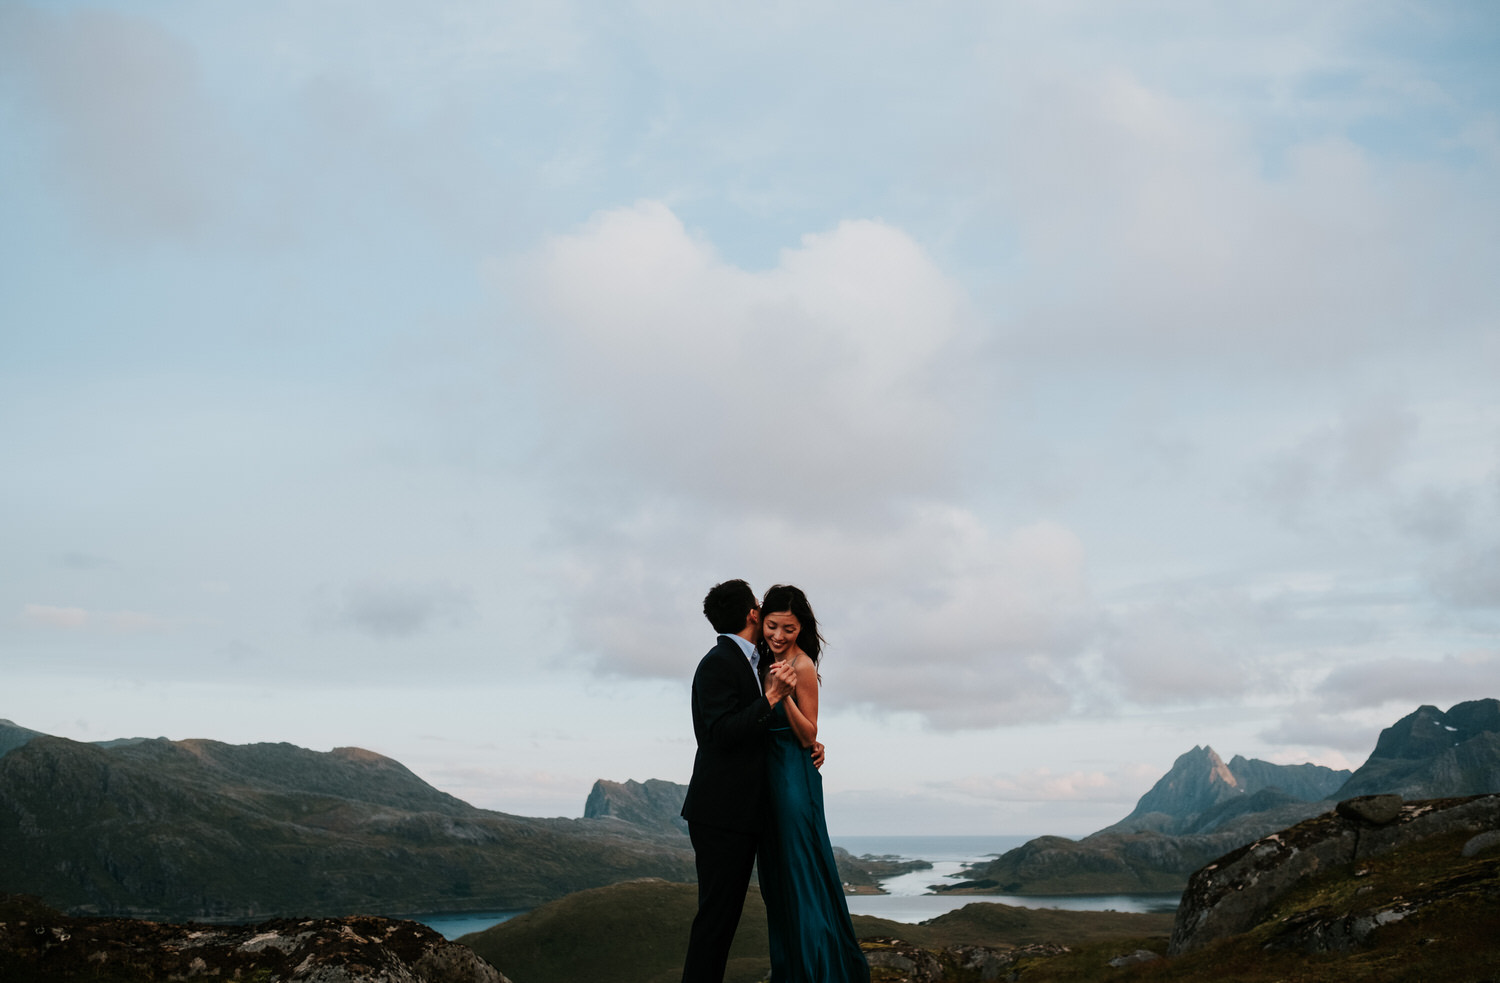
pixel 1203 808
pixel 200 829
pixel 1201 792
pixel 654 803
pixel 13 736
pixel 1429 754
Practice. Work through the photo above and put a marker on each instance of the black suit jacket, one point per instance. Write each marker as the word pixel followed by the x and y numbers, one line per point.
pixel 730 719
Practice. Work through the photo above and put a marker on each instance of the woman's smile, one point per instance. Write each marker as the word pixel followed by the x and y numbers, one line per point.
pixel 780 631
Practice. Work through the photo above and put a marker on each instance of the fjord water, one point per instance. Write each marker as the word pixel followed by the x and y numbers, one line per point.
pixel 908 898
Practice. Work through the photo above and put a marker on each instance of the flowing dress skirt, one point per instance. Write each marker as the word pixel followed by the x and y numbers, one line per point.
pixel 812 939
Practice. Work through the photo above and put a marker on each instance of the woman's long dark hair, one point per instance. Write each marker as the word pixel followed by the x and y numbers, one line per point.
pixel 786 598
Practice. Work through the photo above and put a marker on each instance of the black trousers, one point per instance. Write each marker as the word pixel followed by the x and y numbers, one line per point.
pixel 724 859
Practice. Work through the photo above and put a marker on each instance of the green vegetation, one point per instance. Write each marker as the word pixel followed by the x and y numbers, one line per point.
pixel 197 829
pixel 1450 932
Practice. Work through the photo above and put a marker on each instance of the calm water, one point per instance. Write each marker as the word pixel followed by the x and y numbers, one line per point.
pixel 451 926
pixel 909 898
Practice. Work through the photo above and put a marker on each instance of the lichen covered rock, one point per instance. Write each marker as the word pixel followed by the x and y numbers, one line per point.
pixel 39 944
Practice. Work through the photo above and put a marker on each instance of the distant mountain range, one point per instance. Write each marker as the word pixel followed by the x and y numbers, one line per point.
pixel 1202 808
pixel 199 829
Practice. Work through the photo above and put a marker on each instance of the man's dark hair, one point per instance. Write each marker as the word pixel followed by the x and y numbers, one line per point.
pixel 727 605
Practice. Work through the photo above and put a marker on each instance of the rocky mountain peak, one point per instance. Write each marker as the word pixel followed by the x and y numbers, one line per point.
pixel 1432 754
pixel 1201 791
pixel 1198 780
pixel 654 804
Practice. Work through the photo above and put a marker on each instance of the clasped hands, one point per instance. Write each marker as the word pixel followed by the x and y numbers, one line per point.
pixel 781 682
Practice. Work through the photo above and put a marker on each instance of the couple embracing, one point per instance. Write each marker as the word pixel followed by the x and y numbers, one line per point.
pixel 756 792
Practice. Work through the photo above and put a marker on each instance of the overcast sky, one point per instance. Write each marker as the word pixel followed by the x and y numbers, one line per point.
pixel 1114 378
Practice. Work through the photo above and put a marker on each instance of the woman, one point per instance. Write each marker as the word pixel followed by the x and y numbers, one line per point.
pixel 812 939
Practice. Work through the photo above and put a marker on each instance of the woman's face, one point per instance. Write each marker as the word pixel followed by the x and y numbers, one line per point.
pixel 780 631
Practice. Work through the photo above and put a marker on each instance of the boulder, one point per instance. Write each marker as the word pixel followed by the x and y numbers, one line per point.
pixel 1134 958
pixel 1484 841
pixel 1376 810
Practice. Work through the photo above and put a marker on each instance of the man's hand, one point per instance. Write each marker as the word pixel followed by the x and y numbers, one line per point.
pixel 817 754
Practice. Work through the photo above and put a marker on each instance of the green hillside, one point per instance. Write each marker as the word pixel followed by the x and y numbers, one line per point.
pixel 198 829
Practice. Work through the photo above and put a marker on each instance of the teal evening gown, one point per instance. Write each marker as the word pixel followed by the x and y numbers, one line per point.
pixel 812 939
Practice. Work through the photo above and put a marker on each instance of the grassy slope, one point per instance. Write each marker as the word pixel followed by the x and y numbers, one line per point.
pixel 1454 938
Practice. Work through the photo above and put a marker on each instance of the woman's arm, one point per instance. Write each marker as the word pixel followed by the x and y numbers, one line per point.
pixel 802 708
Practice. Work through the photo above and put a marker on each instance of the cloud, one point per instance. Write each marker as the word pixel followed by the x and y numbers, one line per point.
pixel 72 619
pixel 1411 681
pixel 391 609
pixel 802 424
pixel 1045 785
pixel 128 124
pixel 1470 578
pixel 1191 649
pixel 54 617
pixel 1313 726
pixel 1160 223
pixel 1359 453
pixel 823 384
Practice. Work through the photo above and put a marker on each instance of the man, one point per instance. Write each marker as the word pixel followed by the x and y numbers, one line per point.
pixel 726 804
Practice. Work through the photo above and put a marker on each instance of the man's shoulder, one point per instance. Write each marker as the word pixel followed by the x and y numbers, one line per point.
pixel 723 646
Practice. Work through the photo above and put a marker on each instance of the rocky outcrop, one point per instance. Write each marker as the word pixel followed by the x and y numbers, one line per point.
pixel 204 830
pixel 652 803
pixel 1236 892
pixel 1430 754
pixel 41 945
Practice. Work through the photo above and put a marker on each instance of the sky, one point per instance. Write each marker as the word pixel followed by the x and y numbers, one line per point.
pixel 1115 379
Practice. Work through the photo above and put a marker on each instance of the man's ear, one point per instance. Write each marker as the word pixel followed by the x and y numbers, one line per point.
pixel 753 618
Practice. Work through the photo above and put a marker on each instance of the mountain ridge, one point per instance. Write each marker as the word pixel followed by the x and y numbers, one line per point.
pixel 205 830
pixel 1427 754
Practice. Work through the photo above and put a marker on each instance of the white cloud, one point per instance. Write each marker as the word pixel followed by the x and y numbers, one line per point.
pixel 822 384
pixel 799 421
